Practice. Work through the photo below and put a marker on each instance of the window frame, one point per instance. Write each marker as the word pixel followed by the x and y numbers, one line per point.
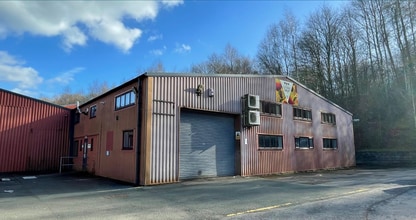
pixel 311 144
pixel 124 100
pixel 333 143
pixel 130 134
pixel 328 118
pixel 304 113
pixel 266 108
pixel 93 111
pixel 279 141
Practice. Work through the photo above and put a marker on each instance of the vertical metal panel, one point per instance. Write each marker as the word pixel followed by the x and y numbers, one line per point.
pixel 181 92
pixel 33 134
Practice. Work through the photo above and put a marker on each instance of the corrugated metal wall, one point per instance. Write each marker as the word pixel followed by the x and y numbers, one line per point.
pixel 172 93
pixel 169 94
pixel 33 134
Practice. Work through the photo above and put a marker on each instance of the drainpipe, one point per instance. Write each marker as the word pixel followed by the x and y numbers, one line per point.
pixel 138 129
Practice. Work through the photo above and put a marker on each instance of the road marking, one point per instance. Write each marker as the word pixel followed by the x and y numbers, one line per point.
pixel 289 203
pixel 260 209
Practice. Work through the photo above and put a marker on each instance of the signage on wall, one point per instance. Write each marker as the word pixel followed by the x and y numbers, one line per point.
pixel 286 92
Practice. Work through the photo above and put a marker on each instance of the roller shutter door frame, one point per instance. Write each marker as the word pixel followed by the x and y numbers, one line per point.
pixel 207 146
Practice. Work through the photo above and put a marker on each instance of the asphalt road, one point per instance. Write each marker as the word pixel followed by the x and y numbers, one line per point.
pixel 341 194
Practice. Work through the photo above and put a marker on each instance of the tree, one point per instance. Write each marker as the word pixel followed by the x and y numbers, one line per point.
pixel 229 62
pixel 68 97
pixel 278 51
pixel 157 67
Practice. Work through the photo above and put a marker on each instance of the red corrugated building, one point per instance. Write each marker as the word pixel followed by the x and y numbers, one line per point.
pixel 164 128
pixel 33 134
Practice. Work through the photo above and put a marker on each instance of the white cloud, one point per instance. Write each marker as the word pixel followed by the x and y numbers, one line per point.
pixel 25 92
pixel 155 37
pixel 73 36
pixel 66 77
pixel 171 3
pixel 13 70
pixel 159 52
pixel 76 21
pixel 182 48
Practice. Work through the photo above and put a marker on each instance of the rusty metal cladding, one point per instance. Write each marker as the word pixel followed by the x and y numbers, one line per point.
pixel 171 93
pixel 33 134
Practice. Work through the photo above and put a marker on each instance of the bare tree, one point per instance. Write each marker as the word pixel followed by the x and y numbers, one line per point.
pixel 156 67
pixel 229 62
pixel 67 96
pixel 278 51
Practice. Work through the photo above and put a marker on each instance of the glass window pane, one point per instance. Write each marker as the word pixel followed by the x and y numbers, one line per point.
pixel 127 98
pixel 261 141
pixel 117 102
pixel 132 98
pixel 304 142
pixel 280 139
pixel 123 101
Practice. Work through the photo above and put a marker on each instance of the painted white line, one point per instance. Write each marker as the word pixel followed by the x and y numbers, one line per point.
pixel 296 203
pixel 29 177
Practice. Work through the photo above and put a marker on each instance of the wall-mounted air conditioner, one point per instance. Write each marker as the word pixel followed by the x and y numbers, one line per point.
pixel 252 101
pixel 251 118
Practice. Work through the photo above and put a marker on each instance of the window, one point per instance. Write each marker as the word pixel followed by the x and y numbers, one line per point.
pixel 303 142
pixel 271 108
pixel 302 114
pixel 125 100
pixel 93 110
pixel 80 145
pixel 75 149
pixel 270 141
pixel 328 118
pixel 128 140
pixel 92 144
pixel 330 143
pixel 77 118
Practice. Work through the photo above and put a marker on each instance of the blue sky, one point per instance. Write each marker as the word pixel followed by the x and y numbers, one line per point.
pixel 47 47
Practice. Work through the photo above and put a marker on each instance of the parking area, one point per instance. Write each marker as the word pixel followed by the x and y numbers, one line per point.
pixel 356 194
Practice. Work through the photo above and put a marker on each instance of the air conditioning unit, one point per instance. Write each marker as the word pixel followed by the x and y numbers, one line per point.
pixel 252 102
pixel 251 118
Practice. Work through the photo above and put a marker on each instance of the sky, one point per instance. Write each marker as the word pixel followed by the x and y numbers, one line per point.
pixel 51 47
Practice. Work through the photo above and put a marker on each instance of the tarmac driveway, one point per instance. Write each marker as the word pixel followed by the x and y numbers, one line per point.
pixel 341 194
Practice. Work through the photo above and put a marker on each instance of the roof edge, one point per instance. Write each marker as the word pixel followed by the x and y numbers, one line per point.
pixel 319 95
pixel 35 99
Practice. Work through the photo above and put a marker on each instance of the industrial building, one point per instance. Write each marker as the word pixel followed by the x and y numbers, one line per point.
pixel 33 134
pixel 164 128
